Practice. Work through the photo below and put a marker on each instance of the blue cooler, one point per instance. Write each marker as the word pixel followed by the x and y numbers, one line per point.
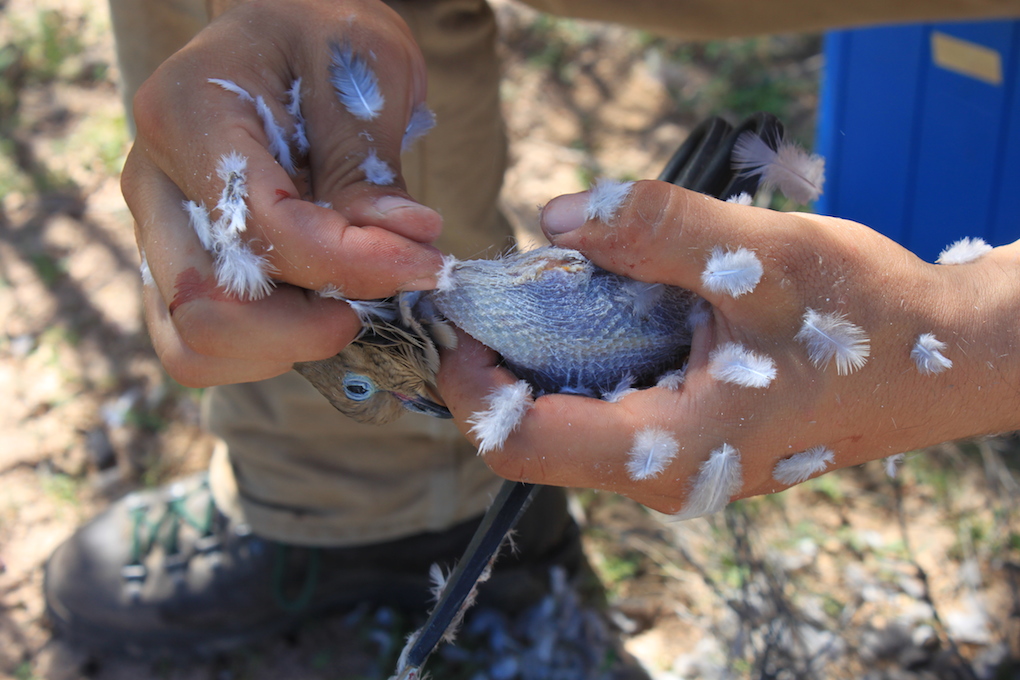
pixel 920 128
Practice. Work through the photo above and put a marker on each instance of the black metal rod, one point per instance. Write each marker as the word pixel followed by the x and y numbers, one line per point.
pixel 508 506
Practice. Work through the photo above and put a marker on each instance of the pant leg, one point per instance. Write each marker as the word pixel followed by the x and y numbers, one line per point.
pixel 147 32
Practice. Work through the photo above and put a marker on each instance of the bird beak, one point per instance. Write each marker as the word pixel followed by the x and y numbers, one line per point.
pixel 424 405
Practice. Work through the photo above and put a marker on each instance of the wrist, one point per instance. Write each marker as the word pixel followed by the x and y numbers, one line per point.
pixel 982 312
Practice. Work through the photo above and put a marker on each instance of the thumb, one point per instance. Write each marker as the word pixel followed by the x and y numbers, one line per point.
pixel 662 233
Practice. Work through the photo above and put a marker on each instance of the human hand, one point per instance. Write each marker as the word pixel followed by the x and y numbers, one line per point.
pixel 830 413
pixel 372 243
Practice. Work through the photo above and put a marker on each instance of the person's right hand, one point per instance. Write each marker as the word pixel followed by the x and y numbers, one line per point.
pixel 371 244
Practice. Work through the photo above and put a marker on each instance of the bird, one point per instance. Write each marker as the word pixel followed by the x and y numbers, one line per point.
pixel 559 322
pixel 390 367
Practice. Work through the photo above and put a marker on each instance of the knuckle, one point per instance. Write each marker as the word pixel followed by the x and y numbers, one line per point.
pixel 149 108
pixel 506 465
pixel 182 368
pixel 196 326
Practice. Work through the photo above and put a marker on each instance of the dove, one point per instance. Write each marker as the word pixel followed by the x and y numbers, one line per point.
pixel 559 322
pixel 390 368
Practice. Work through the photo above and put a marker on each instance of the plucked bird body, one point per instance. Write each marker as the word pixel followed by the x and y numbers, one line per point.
pixel 565 325
pixel 560 323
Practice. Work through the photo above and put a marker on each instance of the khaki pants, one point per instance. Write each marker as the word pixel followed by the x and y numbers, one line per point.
pixel 291 466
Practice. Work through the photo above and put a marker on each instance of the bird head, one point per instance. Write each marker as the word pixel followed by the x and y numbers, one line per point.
pixel 375 380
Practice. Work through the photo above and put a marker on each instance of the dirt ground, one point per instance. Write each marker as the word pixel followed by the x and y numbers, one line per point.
pixel 852 575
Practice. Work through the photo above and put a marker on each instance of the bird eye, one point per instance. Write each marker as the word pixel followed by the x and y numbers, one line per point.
pixel 358 387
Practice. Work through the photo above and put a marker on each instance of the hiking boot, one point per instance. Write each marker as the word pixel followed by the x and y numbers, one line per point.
pixel 164 572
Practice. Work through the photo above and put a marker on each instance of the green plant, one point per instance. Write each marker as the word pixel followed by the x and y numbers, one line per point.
pixel 49 47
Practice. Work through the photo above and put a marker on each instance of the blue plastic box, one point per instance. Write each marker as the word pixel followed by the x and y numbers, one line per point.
pixel 920 127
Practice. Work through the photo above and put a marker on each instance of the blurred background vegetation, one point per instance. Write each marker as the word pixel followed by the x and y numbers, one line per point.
pixel 852 575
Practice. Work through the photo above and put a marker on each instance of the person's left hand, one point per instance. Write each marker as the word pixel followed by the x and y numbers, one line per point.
pixel 884 406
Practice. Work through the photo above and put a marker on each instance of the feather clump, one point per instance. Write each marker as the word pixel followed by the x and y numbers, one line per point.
pixel 963 251
pixel 732 272
pixel 736 364
pixel 355 83
pixel 239 270
pixel 927 354
pixel 507 406
pixel 718 479
pixel 652 452
pixel 802 466
pixel 788 167
pixel 832 336
pixel 605 198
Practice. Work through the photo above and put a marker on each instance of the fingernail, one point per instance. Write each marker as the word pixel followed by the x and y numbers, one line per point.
pixel 564 214
pixel 388 204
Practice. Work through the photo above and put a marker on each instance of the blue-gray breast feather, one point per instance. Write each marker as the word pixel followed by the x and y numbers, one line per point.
pixel 565 325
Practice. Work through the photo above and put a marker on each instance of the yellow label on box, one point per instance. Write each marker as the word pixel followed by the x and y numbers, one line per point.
pixel 966 58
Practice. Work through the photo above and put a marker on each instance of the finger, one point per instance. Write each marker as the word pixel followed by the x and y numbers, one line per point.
pixel 286 326
pixel 187 366
pixel 566 440
pixel 305 244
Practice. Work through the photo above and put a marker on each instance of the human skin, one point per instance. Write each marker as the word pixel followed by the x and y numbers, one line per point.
pixel 372 243
pixel 665 234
